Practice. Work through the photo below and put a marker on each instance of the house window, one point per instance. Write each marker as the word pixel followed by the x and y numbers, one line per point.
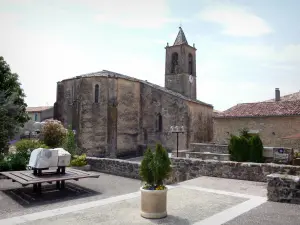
pixel 174 62
pixel 96 93
pixel 158 122
pixel 35 117
pixel 190 64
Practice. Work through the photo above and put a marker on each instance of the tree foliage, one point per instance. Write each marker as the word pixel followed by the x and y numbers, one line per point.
pixel 246 148
pixel 69 143
pixel 155 167
pixel 12 105
pixel 53 133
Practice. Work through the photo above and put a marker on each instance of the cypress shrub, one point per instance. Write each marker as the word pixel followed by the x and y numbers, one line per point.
pixel 244 149
pixel 256 149
pixel 233 148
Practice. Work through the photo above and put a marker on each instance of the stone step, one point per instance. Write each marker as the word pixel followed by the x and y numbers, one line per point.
pixel 203 155
pixel 208 147
pixel 181 153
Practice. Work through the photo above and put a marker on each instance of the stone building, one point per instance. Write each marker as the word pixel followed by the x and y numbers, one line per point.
pixel 115 115
pixel 272 120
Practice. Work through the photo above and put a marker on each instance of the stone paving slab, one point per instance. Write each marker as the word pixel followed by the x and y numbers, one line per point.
pixel 15 200
pixel 185 206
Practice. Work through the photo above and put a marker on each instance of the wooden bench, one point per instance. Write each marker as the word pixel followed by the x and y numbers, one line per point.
pixel 28 177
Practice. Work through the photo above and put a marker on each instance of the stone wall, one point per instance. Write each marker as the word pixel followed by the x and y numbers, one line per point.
pixel 283 188
pixel 117 167
pixel 206 147
pixel 271 129
pixel 186 169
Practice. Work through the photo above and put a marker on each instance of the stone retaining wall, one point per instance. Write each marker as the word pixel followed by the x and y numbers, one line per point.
pixel 283 188
pixel 188 168
pixel 117 167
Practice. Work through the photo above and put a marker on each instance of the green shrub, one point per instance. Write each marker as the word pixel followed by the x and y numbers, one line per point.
pixel 53 133
pixel 4 165
pixel 70 142
pixel 232 148
pixel 25 146
pixel 155 168
pixel 246 148
pixel 145 169
pixel 256 149
pixel 17 161
pixel 79 160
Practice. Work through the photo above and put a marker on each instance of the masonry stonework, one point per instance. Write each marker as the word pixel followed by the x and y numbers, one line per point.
pixel 186 169
pixel 271 129
pixel 125 116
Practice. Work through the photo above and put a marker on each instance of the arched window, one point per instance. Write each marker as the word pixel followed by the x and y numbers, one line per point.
pixel 158 122
pixel 174 62
pixel 96 93
pixel 190 64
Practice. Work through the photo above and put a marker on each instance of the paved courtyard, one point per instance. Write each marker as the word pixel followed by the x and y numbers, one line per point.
pixel 115 200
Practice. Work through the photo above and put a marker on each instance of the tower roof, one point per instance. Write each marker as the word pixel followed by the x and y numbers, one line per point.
pixel 180 39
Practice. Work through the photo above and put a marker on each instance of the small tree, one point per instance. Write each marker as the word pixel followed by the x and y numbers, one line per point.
pixel 12 105
pixel 146 168
pixel 155 167
pixel 244 149
pixel 256 149
pixel 70 142
pixel 53 133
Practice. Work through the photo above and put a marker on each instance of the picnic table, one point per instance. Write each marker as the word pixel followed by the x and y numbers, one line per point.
pixel 32 177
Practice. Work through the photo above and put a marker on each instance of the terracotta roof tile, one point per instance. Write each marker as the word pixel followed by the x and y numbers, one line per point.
pixel 38 108
pixel 258 109
pixel 291 97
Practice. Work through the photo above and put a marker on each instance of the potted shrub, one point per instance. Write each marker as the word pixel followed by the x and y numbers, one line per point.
pixel 155 168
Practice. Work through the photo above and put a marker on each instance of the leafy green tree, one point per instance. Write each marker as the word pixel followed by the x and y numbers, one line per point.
pixel 12 105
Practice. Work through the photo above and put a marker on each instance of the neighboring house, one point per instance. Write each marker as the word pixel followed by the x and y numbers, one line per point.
pixel 40 113
pixel 272 120
pixel 36 114
pixel 115 115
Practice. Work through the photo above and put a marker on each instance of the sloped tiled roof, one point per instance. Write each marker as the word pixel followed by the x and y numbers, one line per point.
pixel 180 39
pixel 261 109
pixel 38 108
pixel 291 97
pixel 106 73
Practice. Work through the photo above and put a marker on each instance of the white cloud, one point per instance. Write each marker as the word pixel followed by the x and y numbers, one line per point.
pixel 235 20
pixel 134 13
pixel 287 54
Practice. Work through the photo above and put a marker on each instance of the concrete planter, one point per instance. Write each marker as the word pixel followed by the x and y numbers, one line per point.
pixel 84 168
pixel 153 203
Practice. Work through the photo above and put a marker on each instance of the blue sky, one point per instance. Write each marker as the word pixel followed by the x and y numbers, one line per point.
pixel 245 48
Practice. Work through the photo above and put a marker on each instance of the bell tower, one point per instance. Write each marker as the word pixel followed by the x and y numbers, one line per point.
pixel 180 67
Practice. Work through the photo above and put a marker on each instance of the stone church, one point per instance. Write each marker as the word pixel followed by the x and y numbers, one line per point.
pixel 115 115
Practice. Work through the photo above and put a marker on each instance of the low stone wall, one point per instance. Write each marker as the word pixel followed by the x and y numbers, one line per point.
pixel 283 188
pixel 117 167
pixel 188 168
pixel 205 147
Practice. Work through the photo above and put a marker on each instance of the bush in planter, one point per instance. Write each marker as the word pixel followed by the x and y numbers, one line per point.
pixel 155 168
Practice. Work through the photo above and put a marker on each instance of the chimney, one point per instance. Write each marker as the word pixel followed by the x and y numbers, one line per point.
pixel 277 94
